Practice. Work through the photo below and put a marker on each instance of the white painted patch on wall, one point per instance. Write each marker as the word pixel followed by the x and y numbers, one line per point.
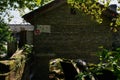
pixel 44 28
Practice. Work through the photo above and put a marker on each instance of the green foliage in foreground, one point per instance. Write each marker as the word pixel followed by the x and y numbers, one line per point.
pixel 109 60
pixel 5 36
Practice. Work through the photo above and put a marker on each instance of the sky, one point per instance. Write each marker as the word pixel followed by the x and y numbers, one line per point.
pixel 17 17
pixel 117 2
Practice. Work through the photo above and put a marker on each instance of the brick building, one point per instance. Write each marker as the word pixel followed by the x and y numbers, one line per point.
pixel 58 32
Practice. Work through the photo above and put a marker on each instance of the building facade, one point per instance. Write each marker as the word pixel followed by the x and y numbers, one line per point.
pixel 61 33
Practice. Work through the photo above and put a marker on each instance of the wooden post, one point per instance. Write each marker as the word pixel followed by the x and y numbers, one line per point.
pixel 11 48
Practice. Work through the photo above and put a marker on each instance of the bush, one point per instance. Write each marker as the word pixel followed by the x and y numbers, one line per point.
pixel 5 36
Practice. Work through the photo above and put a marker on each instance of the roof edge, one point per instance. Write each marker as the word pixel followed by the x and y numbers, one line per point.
pixel 29 16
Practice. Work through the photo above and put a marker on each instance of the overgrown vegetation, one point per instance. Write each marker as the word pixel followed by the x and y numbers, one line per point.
pixel 109 65
pixel 95 9
pixel 110 60
pixel 5 36
pixel 88 6
pixel 5 7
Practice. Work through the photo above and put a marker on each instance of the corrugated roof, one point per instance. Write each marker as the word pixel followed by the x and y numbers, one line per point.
pixel 19 27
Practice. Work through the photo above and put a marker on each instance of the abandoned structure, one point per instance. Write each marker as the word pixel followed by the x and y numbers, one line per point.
pixel 61 33
pixel 23 34
pixel 17 28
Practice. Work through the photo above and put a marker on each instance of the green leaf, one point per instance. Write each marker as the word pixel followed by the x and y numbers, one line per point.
pixel 38 2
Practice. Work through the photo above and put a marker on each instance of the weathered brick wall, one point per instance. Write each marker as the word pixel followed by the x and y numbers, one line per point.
pixel 72 36
pixel 13 68
pixel 72 41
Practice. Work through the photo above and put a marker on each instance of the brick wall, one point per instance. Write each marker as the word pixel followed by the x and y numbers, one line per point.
pixel 72 35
